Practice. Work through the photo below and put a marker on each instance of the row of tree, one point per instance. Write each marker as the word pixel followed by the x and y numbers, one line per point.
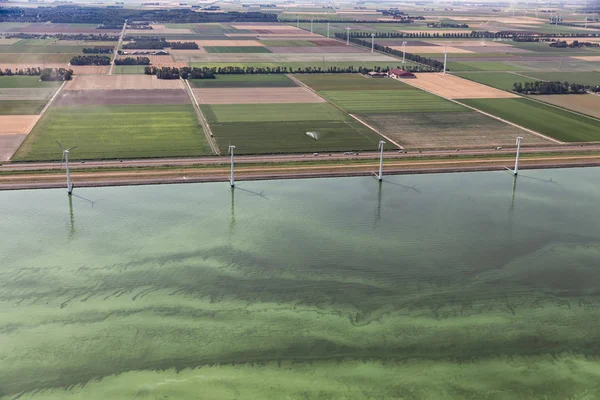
pixel 45 74
pixel 573 45
pixel 446 25
pixel 541 87
pixel 183 73
pixel 90 60
pixel 518 36
pixel 73 14
pixel 183 45
pixel 322 19
pixel 132 61
pixel 434 65
pixel 60 36
pixel 97 50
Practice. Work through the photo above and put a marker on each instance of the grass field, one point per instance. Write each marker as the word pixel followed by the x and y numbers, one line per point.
pixel 128 69
pixel 320 82
pixel 499 80
pixel 244 81
pixel 35 59
pixel 123 131
pixel 21 107
pixel 236 49
pixel 482 66
pixel 389 101
pixel 25 82
pixel 557 123
pixel 220 113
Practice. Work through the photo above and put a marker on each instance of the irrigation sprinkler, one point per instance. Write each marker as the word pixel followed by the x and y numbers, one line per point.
pixel 328 29
pixel 372 42
pixel 65 158
pixel 380 175
pixel 232 178
pixel 445 59
pixel 311 26
pixel 347 36
pixel 403 52
pixel 516 171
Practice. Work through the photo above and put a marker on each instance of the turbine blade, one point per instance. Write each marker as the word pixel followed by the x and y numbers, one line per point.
pixel 71 148
pixel 60 145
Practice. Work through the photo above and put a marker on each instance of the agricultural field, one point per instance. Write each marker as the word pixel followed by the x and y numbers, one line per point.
pixel 24 82
pixel 582 78
pixel 236 49
pixel 244 81
pixel 551 121
pixel 275 95
pixel 588 104
pixel 282 128
pixel 116 131
pixel 454 87
pixel 21 107
pixel 498 80
pixel 483 66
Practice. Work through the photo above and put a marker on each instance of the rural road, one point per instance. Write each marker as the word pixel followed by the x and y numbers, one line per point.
pixel 115 52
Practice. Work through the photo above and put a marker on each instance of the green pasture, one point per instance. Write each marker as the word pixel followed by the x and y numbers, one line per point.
pixel 236 49
pixel 389 101
pixel 14 81
pixel 548 120
pixel 221 113
pixel 40 46
pixel 241 81
pixel 481 66
pixel 267 137
pixel 591 78
pixel 21 107
pixel 123 131
pixel 349 82
pixel 35 59
pixel 499 80
pixel 128 69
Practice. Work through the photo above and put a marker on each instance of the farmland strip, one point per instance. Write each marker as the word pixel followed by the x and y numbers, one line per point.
pixel 205 126
pixel 112 63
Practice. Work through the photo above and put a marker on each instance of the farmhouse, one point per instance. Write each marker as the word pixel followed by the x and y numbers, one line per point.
pixel 400 73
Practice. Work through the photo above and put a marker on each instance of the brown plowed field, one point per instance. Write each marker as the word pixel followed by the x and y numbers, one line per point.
pixel 584 103
pixel 16 124
pixel 121 82
pixel 72 98
pixel 453 87
pixel 256 95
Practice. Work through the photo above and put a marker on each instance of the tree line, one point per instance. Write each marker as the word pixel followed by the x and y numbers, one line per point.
pixel 434 65
pixel 97 50
pixel 555 87
pixel 147 44
pixel 183 72
pixel 70 14
pixel 90 60
pixel 514 35
pixel 132 61
pixel 60 36
pixel 183 45
pixel 573 45
pixel 45 74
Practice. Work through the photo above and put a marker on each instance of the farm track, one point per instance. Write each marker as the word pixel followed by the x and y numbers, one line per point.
pixel 115 52
pixel 221 173
pixel 205 126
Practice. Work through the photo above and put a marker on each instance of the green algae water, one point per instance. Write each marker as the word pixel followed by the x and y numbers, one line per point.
pixel 453 286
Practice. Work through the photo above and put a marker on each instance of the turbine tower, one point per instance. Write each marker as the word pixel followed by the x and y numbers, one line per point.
pixel 372 43
pixel 311 26
pixel 232 178
pixel 445 59
pixel 65 158
pixel 403 52
pixel 348 36
pixel 516 171
pixel 328 29
pixel 380 176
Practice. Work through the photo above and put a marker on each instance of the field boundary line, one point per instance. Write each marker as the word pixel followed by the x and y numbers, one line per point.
pixel 525 76
pixel 302 84
pixel 490 115
pixel 116 50
pixel 205 126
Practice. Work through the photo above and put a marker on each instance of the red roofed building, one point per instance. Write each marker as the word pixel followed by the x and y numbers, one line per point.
pixel 400 73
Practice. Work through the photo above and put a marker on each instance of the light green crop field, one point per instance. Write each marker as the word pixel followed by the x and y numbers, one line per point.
pixel 350 82
pixel 551 121
pixel 123 131
pixel 389 101
pixel 35 59
pixel 482 66
pixel 25 82
pixel 245 80
pixel 128 69
pixel 21 107
pixel 499 80
pixel 236 49
pixel 272 112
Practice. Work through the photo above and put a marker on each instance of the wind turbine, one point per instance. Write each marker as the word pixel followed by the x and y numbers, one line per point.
pixel 380 175
pixel 65 158
pixel 232 179
pixel 372 42
pixel 403 51
pixel 348 36
pixel 516 171
pixel 445 58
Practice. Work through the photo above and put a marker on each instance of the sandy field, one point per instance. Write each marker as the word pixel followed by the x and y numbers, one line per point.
pixel 17 124
pixel 73 98
pixel 26 93
pixel 453 87
pixel 121 82
pixel 188 51
pixel 9 145
pixel 256 95
pixel 228 43
pixel 586 103
pixel 587 58
pixel 432 49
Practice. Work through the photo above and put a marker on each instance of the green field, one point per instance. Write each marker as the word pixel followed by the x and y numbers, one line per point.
pixel 21 107
pixel 551 121
pixel 25 82
pixel 123 131
pixel 281 128
pixel 35 59
pixel 499 80
pixel 236 49
pixel 246 80
pixel 482 66
pixel 128 69
pixel 349 82
pixel 389 101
